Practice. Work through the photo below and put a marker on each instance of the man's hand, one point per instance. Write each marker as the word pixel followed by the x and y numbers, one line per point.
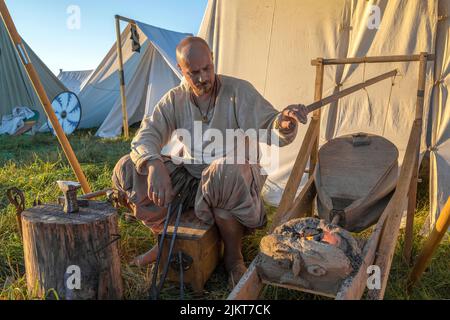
pixel 159 183
pixel 292 114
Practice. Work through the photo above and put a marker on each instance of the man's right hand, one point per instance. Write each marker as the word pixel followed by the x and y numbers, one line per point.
pixel 160 189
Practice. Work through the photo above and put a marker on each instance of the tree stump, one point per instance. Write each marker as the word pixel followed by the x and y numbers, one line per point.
pixel 72 256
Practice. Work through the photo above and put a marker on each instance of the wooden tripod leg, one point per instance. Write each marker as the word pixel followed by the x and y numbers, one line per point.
pixel 412 194
pixel 394 209
pixel 409 229
pixel 318 92
pixel 424 259
pixel 299 168
pixel 408 176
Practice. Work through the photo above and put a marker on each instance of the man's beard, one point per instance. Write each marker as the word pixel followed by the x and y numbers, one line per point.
pixel 203 89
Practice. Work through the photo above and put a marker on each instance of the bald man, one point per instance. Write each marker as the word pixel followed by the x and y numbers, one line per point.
pixel 228 193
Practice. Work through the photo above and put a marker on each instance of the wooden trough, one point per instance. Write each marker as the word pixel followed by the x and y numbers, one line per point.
pixel 380 246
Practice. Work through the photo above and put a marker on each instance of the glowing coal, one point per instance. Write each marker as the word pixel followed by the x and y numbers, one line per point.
pixel 310 254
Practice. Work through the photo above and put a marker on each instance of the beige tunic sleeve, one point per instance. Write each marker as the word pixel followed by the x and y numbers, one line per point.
pixel 255 112
pixel 155 132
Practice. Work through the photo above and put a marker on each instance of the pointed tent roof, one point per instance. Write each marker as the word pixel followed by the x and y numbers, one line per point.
pixel 165 41
pixel 16 88
pixel 74 80
pixel 148 76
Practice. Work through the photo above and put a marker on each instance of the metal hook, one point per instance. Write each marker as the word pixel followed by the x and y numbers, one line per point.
pixel 17 199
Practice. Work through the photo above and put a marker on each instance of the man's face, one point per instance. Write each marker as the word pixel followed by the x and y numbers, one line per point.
pixel 198 70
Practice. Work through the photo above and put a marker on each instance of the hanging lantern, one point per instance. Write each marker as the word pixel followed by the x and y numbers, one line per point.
pixel 135 44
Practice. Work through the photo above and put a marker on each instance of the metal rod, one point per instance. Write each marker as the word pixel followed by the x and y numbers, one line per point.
pixel 17 199
pixel 169 255
pixel 334 97
pixel 381 59
pixel 180 258
pixel 153 287
pixel 40 91
pixel 122 79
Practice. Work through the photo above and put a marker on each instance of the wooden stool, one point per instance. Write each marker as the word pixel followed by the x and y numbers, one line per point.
pixel 200 244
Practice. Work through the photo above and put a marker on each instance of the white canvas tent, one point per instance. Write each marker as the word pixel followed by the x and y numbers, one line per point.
pixel 148 76
pixel 74 80
pixel 440 116
pixel 16 89
pixel 278 38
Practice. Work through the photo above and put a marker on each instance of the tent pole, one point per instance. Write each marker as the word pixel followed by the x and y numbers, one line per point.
pixel 424 258
pixel 122 79
pixel 412 194
pixel 318 92
pixel 126 19
pixel 40 91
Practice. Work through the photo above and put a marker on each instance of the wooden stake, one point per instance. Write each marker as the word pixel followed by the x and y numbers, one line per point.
pixel 433 241
pixel 122 79
pixel 412 194
pixel 40 91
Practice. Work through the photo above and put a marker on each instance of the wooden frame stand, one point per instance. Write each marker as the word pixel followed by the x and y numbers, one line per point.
pixel 379 248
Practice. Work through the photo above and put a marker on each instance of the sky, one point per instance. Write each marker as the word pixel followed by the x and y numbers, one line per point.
pixel 62 41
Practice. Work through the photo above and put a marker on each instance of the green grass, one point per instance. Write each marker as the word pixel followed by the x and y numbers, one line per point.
pixel 33 164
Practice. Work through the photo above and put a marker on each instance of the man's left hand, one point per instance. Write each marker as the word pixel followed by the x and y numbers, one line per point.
pixel 294 113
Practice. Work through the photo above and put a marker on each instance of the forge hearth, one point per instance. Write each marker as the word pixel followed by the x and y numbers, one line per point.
pixel 309 254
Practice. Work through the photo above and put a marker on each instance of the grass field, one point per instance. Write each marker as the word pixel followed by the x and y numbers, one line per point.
pixel 33 164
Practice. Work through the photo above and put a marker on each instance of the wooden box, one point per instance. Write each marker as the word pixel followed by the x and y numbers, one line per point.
pixel 199 241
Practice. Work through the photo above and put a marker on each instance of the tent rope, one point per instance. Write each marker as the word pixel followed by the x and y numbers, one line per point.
pixel 389 103
pixel 103 89
pixel 270 46
pixel 367 92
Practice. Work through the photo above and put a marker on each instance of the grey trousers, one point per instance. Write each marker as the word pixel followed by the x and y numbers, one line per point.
pixel 225 190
